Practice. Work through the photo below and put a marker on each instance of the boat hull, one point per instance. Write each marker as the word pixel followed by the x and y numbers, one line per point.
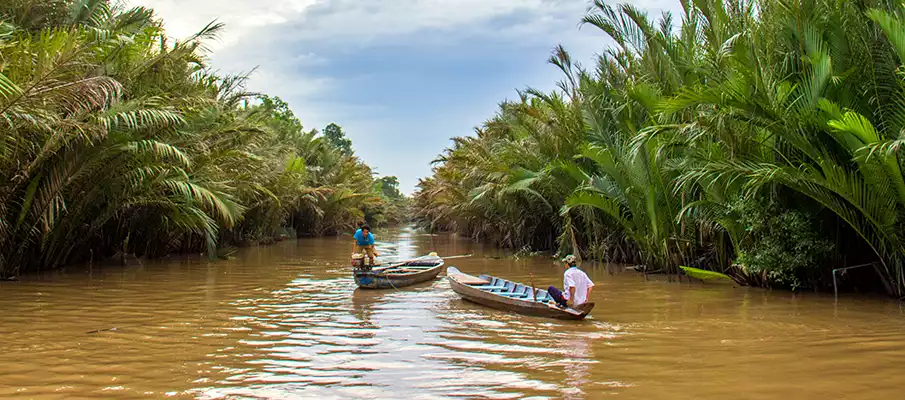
pixel 528 307
pixel 389 280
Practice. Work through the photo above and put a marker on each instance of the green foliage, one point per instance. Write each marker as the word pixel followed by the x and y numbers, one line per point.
pixel 784 246
pixel 394 209
pixel 116 138
pixel 335 136
pixel 282 119
pixel 505 185
pixel 38 14
pixel 704 274
pixel 389 186
pixel 646 157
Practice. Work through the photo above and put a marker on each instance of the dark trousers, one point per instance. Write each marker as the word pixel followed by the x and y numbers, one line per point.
pixel 556 294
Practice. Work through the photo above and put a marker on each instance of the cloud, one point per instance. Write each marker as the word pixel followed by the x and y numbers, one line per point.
pixel 401 76
pixel 350 20
pixel 185 17
pixel 362 22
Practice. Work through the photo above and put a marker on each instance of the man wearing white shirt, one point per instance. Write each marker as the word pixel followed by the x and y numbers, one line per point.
pixel 576 285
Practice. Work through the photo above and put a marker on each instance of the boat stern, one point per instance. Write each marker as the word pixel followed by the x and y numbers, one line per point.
pixel 365 279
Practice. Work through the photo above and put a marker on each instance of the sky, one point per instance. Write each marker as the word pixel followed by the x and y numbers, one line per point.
pixel 401 77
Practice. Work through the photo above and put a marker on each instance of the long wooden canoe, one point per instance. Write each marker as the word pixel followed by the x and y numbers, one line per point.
pixel 398 275
pixel 511 296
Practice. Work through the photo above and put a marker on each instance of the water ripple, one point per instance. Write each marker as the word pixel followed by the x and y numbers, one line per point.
pixel 287 322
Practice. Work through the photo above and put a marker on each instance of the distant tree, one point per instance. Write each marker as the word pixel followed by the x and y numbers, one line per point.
pixel 389 185
pixel 394 209
pixel 336 137
pixel 281 113
pixel 34 15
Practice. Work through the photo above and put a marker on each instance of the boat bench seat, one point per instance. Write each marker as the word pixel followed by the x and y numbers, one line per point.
pixel 523 295
pixel 540 299
pixel 516 294
pixel 489 287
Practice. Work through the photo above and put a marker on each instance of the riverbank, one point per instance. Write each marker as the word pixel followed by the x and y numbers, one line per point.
pixel 756 140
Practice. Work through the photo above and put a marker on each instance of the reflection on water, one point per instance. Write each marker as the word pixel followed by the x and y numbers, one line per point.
pixel 287 322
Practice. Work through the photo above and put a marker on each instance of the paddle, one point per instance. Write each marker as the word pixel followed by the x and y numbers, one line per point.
pixel 533 290
pixel 459 256
pixel 445 258
pixel 401 263
pixel 397 264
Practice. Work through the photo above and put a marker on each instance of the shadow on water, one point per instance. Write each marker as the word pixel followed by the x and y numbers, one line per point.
pixel 287 321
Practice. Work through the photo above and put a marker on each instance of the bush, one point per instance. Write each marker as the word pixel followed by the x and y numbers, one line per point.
pixel 780 246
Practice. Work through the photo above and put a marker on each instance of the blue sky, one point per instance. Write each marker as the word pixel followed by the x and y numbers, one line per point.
pixel 400 76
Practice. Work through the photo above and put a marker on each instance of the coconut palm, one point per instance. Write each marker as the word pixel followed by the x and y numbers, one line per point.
pixel 116 138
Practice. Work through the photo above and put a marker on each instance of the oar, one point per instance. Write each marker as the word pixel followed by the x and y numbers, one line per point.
pixel 400 263
pixel 445 258
pixel 533 290
pixel 396 264
pixel 379 269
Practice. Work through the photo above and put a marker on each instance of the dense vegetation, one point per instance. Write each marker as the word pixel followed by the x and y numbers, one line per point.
pixel 762 138
pixel 116 138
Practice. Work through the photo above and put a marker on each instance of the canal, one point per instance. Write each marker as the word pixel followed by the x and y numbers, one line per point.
pixel 286 321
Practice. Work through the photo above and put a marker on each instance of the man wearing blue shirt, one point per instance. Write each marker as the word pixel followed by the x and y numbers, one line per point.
pixel 364 243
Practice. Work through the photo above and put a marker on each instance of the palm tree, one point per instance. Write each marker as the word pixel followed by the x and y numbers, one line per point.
pixel 88 89
pixel 761 101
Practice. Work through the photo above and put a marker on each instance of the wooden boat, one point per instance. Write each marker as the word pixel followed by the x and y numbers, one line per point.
pixel 399 274
pixel 511 296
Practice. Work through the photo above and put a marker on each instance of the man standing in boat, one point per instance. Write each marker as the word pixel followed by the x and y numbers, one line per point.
pixel 576 285
pixel 364 243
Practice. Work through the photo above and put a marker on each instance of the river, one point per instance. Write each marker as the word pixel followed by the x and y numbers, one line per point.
pixel 286 321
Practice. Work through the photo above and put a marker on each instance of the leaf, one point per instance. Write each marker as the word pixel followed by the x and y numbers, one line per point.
pixel 27 201
pixel 296 165
pixel 894 29
pixel 8 88
pixel 159 150
pixel 704 275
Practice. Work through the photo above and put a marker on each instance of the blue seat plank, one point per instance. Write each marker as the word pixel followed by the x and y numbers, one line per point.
pixel 512 290
pixel 516 295
pixel 524 298
pixel 488 287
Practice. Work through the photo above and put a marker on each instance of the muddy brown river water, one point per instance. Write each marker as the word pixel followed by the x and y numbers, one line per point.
pixel 286 321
